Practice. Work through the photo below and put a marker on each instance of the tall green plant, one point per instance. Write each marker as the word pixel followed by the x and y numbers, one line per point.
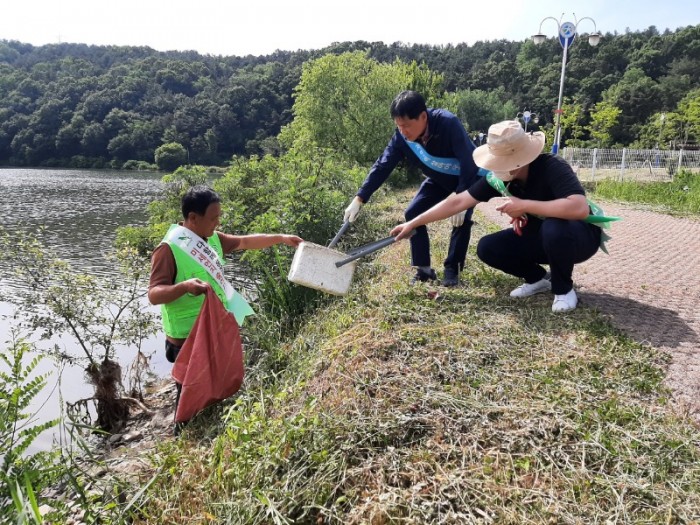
pixel 604 117
pixel 162 212
pixel 301 192
pixel 572 124
pixel 24 502
pixel 342 103
pixel 681 195
pixel 19 387
pixel 689 112
pixel 171 156
pixel 167 209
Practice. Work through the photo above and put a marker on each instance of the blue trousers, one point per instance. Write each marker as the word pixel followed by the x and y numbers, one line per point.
pixel 557 242
pixel 429 194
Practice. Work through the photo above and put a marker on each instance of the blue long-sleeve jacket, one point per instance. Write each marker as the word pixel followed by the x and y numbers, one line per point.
pixel 447 138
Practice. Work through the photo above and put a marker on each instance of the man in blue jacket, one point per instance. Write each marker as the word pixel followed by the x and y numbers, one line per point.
pixel 436 141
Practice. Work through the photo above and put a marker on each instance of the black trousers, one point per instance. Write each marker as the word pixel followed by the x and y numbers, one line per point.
pixel 171 352
pixel 429 194
pixel 557 242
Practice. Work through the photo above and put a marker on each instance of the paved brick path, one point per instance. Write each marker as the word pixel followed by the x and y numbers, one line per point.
pixel 649 286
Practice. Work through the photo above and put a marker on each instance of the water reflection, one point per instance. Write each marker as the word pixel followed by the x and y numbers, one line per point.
pixel 80 211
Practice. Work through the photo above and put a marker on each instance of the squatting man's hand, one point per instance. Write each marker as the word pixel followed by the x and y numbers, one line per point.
pixel 511 206
pixel 515 209
pixel 353 210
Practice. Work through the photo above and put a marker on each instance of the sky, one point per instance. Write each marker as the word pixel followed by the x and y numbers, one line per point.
pixel 260 27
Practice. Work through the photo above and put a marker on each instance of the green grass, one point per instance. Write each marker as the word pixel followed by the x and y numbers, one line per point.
pixel 681 196
pixel 400 404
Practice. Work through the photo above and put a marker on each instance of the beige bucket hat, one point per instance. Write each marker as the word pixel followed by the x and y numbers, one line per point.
pixel 508 147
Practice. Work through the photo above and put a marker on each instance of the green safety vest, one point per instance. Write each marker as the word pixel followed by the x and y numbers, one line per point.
pixel 179 315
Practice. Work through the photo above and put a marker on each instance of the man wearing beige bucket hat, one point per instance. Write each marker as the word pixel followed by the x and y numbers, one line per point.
pixel 435 140
pixel 547 206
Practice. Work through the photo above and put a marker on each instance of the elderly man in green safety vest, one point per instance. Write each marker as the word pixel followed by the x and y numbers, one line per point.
pixel 190 259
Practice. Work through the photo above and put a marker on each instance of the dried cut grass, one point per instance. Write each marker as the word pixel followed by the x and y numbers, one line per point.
pixel 467 407
pixel 422 404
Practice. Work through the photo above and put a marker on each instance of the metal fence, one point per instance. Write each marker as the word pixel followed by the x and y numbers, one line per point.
pixel 630 164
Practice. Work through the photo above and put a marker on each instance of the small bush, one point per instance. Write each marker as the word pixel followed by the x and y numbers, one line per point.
pixel 299 193
pixel 170 156
pixel 139 165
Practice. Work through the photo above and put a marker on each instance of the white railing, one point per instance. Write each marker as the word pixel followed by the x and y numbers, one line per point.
pixel 630 164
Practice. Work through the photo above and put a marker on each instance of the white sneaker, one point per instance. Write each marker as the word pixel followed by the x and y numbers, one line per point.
pixel 566 302
pixel 526 290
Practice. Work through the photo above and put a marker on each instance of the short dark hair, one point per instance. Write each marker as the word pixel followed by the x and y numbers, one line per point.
pixel 197 200
pixel 408 104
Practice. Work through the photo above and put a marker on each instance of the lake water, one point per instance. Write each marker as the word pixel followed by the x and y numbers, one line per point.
pixel 80 211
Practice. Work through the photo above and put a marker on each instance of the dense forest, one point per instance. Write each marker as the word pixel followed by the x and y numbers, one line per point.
pixel 95 106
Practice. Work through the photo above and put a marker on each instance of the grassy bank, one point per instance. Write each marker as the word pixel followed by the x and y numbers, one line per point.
pixel 680 196
pixel 400 404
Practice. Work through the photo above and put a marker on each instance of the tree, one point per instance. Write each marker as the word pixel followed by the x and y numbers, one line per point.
pixel 342 103
pixel 572 124
pixel 636 96
pixel 99 313
pixel 94 140
pixel 689 111
pixel 170 156
pixel 168 209
pixel 54 97
pixel 479 109
pixel 604 117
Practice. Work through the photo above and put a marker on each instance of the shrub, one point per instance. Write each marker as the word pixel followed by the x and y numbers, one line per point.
pixel 139 165
pixel 170 156
pixel 298 193
pixel 99 313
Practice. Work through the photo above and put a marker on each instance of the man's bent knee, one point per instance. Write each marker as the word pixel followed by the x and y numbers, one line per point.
pixel 485 249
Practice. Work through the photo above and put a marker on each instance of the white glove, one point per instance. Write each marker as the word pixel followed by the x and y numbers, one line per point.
pixel 352 210
pixel 458 219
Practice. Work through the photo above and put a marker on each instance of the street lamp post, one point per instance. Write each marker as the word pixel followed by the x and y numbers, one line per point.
pixel 567 34
pixel 527 116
